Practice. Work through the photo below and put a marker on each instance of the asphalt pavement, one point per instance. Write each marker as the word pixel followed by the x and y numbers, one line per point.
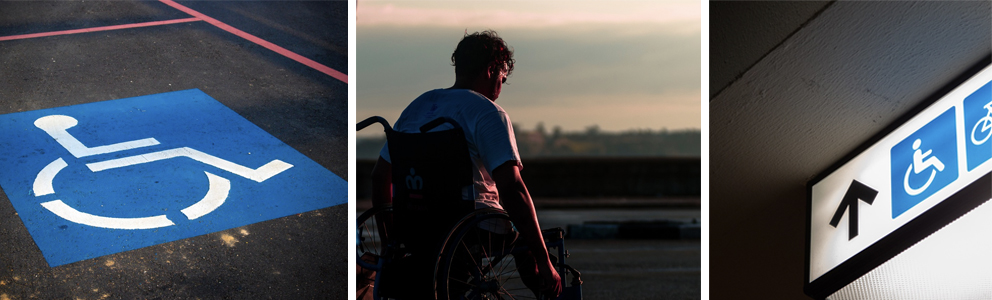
pixel 632 268
pixel 299 256
pixel 637 269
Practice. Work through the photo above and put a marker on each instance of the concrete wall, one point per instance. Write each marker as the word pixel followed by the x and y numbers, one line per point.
pixel 593 177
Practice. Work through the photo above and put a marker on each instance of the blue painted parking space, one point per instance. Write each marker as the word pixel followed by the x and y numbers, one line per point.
pixel 100 178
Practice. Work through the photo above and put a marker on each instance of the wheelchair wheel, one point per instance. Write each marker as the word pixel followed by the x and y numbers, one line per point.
pixel 371 228
pixel 478 262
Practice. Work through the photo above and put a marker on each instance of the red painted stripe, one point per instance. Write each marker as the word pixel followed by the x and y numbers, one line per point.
pixel 290 54
pixel 103 28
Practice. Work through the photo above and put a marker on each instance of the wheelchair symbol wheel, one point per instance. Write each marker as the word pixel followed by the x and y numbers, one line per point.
pixel 910 190
pixel 214 198
pixel 217 193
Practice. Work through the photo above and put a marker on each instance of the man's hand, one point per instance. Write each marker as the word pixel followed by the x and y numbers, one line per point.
pixel 552 281
pixel 541 278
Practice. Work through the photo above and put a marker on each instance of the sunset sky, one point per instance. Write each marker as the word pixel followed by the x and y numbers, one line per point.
pixel 621 65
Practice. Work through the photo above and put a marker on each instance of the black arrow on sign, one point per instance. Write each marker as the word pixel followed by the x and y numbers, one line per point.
pixel 856 191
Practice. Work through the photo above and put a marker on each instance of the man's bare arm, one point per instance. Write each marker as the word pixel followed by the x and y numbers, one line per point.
pixel 518 204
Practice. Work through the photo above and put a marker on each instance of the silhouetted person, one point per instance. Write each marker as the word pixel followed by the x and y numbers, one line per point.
pixel 482 62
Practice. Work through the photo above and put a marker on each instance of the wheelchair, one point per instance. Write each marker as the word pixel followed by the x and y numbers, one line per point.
pixel 432 243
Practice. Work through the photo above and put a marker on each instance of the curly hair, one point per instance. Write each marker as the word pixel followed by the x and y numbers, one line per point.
pixel 476 51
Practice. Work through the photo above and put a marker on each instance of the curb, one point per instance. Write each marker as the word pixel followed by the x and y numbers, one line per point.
pixel 662 229
pixel 594 203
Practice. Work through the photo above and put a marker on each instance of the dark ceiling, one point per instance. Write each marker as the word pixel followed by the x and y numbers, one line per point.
pixel 796 86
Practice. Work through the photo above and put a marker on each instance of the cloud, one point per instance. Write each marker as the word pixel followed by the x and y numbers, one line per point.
pixel 394 63
pixel 617 64
pixel 675 15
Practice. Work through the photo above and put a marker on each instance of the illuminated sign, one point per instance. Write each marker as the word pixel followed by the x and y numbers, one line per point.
pixel 910 182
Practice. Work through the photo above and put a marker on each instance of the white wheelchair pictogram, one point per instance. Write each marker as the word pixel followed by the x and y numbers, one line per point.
pixel 56 126
pixel 921 163
pixel 983 127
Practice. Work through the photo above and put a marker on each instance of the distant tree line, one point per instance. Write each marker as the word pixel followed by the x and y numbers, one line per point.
pixel 592 142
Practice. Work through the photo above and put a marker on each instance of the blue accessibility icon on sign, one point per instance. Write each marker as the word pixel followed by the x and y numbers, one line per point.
pixel 924 162
pixel 95 179
pixel 978 126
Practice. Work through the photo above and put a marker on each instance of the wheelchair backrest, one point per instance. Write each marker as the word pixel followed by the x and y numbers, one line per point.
pixel 432 190
pixel 431 174
pixel 432 171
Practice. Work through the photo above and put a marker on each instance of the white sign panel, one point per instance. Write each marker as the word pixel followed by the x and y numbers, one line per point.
pixel 933 155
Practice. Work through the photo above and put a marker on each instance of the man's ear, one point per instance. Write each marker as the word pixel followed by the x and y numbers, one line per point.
pixel 492 70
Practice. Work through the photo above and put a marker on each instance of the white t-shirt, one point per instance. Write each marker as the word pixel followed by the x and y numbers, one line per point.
pixel 487 128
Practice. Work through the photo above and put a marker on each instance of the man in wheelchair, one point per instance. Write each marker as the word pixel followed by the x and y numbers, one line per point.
pixel 482 63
